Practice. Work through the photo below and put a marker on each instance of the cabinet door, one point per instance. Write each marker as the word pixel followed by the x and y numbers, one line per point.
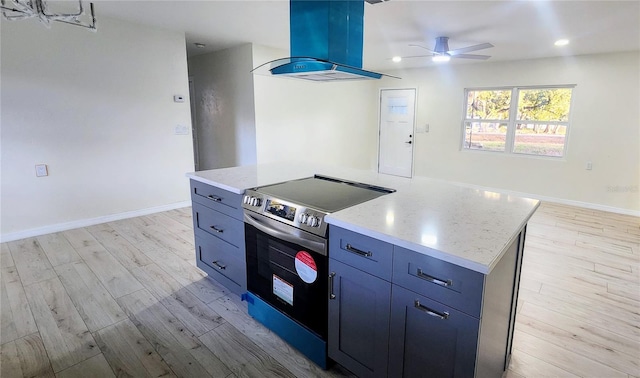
pixel 358 320
pixel 429 339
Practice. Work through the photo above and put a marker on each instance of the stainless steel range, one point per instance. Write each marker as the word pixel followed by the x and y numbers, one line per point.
pixel 286 239
pixel 304 203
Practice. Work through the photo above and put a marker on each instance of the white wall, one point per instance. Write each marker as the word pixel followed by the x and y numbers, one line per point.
pixel 333 123
pixel 337 123
pixel 98 109
pixel 225 117
pixel 605 128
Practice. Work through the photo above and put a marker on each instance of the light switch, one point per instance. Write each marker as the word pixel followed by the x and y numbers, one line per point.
pixel 181 130
pixel 41 170
pixel 422 128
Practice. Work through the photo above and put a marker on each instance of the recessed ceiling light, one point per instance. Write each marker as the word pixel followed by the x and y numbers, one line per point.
pixel 562 42
pixel 397 59
pixel 441 58
pixel 200 45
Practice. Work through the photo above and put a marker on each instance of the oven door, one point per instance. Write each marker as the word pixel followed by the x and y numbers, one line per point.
pixel 288 269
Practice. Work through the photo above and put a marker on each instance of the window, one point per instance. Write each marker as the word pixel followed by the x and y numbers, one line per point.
pixel 398 105
pixel 525 120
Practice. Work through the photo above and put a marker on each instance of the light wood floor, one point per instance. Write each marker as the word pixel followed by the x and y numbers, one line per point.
pixel 125 299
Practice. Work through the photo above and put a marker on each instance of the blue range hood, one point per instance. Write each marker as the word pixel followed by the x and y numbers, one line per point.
pixel 326 38
pixel 318 70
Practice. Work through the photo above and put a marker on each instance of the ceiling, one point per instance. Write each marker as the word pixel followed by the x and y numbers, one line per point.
pixel 517 29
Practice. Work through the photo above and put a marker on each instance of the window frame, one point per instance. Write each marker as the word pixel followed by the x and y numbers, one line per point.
pixel 512 121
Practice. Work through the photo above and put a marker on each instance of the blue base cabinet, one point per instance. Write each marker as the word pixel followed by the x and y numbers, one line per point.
pixel 359 302
pixel 219 235
pixel 445 320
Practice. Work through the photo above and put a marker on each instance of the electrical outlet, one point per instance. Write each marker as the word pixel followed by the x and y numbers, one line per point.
pixel 41 170
pixel 589 166
pixel 181 130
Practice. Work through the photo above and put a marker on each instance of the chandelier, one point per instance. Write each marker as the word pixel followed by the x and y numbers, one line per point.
pixel 23 9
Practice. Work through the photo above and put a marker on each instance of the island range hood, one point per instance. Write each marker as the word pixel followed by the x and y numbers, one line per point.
pixel 326 39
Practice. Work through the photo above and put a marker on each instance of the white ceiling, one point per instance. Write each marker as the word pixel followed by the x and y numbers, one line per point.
pixel 517 29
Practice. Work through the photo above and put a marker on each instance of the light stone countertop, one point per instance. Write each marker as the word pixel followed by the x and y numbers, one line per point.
pixel 238 179
pixel 459 224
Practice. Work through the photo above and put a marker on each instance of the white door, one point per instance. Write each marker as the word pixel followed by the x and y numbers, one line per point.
pixel 397 120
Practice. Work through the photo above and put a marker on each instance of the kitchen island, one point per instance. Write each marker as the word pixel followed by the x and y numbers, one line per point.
pixel 433 288
pixel 430 216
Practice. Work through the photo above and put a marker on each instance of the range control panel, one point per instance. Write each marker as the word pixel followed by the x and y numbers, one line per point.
pixel 295 215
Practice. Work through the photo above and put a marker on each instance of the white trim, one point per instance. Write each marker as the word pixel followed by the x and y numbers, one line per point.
pixel 524 87
pixel 89 222
pixel 562 201
pixel 194 123
pixel 587 205
pixel 510 138
pixel 514 155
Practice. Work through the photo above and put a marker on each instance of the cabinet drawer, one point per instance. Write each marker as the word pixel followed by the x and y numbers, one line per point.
pixel 218 225
pixel 370 255
pixel 222 261
pixel 447 283
pixel 217 199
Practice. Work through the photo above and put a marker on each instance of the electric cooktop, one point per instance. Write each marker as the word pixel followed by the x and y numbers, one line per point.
pixel 324 193
pixel 304 203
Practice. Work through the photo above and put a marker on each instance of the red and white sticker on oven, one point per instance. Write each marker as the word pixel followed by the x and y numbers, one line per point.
pixel 306 267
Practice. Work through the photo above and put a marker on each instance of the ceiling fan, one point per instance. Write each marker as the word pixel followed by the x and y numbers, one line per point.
pixel 441 52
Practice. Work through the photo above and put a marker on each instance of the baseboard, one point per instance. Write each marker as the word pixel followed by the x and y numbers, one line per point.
pixel 89 222
pixel 137 213
pixel 587 205
pixel 561 201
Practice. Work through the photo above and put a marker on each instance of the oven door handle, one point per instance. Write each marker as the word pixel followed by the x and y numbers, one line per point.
pixel 292 235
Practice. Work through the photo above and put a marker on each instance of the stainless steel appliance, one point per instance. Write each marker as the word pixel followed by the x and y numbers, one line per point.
pixel 287 258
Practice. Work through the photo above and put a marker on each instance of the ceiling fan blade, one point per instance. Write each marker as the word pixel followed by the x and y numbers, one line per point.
pixel 422 47
pixel 416 56
pixel 470 49
pixel 471 56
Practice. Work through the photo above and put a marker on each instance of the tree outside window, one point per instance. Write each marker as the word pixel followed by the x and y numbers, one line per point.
pixel 531 120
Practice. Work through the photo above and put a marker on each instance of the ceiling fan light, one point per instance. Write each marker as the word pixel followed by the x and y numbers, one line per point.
pixel 441 58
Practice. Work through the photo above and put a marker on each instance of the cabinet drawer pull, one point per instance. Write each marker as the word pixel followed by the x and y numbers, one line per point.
pixel 212 197
pixel 357 251
pixel 331 294
pixel 221 267
pixel 442 315
pixel 214 228
pixel 429 278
